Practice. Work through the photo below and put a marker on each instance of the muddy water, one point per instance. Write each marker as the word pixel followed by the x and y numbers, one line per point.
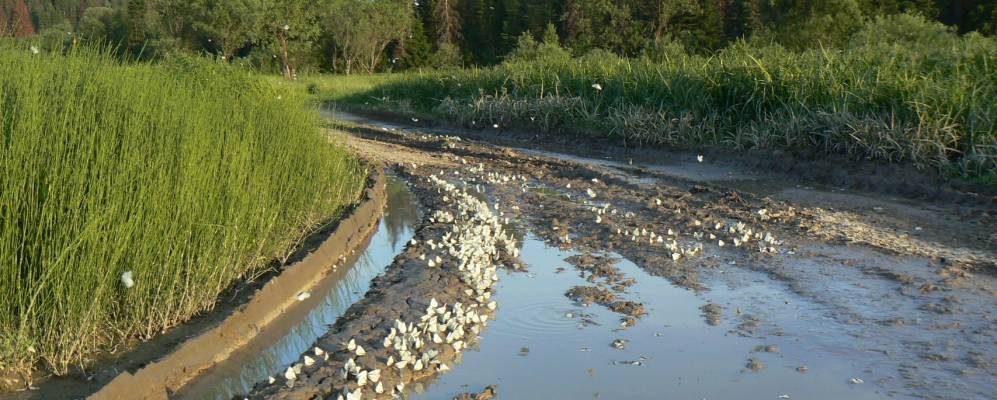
pixel 275 349
pixel 333 113
pixel 543 345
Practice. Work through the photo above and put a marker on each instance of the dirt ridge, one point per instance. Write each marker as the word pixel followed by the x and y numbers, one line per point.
pixel 164 376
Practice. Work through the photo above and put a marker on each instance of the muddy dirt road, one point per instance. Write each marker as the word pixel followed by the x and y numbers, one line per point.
pixel 566 276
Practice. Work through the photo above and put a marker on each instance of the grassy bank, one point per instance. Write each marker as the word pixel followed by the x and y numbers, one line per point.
pixel 903 90
pixel 188 174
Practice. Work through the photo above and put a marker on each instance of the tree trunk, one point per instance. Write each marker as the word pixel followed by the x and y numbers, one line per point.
pixel 285 62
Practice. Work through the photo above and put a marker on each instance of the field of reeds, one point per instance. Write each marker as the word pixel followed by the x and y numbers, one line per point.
pixel 132 195
pixel 904 90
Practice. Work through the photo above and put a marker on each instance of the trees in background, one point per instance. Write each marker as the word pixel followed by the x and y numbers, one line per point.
pixel 360 31
pixel 376 35
pixel 284 22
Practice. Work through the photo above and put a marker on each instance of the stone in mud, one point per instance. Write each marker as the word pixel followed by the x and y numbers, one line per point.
pixel 487 394
pixel 749 324
pixel 627 307
pixel 602 267
pixel 979 360
pixel 620 344
pixel 937 308
pixel 936 357
pixel 895 322
pixel 591 295
pixel 712 312
pixel 928 288
pixel 754 364
pixel 771 348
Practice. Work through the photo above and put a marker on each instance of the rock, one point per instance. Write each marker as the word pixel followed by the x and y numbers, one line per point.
pixel 712 312
pixel 487 394
pixel 754 364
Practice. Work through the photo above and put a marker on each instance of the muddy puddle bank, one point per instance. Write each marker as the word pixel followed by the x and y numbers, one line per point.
pixel 297 330
pixel 892 199
pixel 849 300
pixel 765 166
pixel 543 345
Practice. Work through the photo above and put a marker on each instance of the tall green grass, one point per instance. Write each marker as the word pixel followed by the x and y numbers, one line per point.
pixel 904 90
pixel 191 174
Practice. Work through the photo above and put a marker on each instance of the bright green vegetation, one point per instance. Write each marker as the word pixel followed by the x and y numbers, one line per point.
pixel 193 175
pixel 903 90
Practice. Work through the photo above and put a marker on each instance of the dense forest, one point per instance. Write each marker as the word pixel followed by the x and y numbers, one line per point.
pixel 381 35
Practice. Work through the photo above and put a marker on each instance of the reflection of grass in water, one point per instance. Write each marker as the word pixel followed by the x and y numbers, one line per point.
pixel 402 211
pixel 299 340
pixel 380 252
pixel 191 174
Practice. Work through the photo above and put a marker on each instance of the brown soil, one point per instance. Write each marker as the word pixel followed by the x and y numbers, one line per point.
pixel 488 393
pixel 591 295
pixel 754 364
pixel 712 312
pixel 601 267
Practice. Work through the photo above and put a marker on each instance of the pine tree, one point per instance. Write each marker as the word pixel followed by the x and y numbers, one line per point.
pixel 21 24
pixel 447 21
pixel 416 51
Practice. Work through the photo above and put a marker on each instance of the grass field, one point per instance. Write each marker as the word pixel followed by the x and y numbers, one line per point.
pixel 904 91
pixel 187 175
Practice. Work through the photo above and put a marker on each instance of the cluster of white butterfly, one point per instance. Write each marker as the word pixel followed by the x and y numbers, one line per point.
pixel 473 243
pixel 738 233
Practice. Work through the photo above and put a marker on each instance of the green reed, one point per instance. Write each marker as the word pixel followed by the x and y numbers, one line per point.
pixel 191 174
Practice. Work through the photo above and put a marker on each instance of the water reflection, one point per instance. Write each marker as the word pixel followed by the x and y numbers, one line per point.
pixel 570 355
pixel 271 352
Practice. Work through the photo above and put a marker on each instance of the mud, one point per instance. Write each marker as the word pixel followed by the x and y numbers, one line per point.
pixel 601 267
pixel 424 281
pixel 488 393
pixel 908 283
pixel 712 313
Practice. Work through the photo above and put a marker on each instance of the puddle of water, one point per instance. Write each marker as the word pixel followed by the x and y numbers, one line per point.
pixel 334 113
pixel 684 357
pixel 274 349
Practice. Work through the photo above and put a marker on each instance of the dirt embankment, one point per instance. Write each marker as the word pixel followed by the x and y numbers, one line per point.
pixel 158 379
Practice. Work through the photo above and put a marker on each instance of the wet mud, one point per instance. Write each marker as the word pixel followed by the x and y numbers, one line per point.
pixel 899 291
